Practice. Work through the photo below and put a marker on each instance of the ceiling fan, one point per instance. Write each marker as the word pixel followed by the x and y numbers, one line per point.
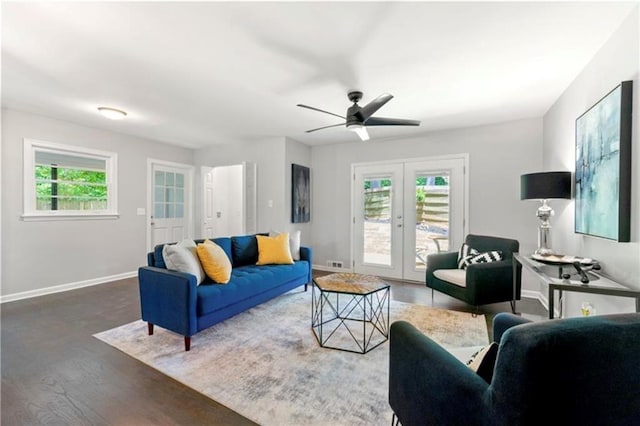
pixel 358 118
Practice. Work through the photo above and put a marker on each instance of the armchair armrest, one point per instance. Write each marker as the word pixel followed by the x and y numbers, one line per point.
pixel 504 321
pixel 168 299
pixel 428 385
pixel 447 260
pixel 482 276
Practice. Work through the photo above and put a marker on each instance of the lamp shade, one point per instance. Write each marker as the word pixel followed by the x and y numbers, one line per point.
pixel 545 185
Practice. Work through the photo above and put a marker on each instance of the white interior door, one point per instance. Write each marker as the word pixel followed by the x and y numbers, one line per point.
pixel 404 211
pixel 170 202
pixel 229 200
pixel 378 220
pixel 208 207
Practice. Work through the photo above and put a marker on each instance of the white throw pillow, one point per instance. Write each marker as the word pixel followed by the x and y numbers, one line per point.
pixel 182 257
pixel 294 242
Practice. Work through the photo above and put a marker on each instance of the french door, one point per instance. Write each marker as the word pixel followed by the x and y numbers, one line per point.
pixel 404 211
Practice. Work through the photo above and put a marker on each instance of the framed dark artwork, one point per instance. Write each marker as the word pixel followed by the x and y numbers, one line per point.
pixel 603 167
pixel 300 194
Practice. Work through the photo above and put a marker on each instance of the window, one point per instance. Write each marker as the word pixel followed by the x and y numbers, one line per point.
pixel 64 181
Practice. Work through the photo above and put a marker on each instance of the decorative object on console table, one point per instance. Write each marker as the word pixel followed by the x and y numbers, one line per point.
pixel 599 283
pixel 545 186
pixel 603 167
pixel 300 194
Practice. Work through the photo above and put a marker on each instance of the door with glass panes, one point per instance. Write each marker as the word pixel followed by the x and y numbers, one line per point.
pixel 405 211
pixel 170 204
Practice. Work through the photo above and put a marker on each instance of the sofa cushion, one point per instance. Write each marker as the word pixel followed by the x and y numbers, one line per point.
pixel 244 250
pixel 274 250
pixel 158 258
pixel 182 257
pixel 225 244
pixel 215 262
pixel 245 282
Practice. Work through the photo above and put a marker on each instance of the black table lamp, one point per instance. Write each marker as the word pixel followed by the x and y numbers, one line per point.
pixel 544 186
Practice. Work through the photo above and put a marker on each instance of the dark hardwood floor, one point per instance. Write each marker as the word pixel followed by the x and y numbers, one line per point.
pixel 54 372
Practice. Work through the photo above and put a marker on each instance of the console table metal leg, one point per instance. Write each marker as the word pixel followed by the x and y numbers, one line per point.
pixel 560 304
pixel 551 302
pixel 515 280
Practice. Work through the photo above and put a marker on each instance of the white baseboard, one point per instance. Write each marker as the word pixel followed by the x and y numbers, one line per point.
pixel 65 287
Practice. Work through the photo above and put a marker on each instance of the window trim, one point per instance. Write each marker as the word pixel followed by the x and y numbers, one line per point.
pixel 111 168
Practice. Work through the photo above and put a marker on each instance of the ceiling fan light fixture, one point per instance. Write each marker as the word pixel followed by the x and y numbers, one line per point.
pixel 359 130
pixel 112 113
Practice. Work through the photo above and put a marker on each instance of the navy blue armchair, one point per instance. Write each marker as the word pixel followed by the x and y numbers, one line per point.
pixel 574 371
pixel 480 283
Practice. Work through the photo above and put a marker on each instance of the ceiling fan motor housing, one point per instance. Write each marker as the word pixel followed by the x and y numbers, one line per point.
pixel 351 117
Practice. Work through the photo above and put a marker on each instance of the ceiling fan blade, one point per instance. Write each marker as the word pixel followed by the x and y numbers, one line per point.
pixel 325 127
pixel 319 110
pixel 369 109
pixel 382 121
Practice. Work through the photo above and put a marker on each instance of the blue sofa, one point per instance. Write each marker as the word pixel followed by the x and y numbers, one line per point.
pixel 174 301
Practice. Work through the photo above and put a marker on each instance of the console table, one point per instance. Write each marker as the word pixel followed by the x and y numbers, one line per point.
pixel 601 285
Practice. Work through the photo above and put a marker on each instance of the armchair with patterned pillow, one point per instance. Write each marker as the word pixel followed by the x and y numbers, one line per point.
pixel 481 272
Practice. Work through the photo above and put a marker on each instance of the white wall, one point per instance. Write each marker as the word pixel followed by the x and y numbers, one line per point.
pixel 43 254
pixel 297 153
pixel 617 60
pixel 498 155
pixel 268 154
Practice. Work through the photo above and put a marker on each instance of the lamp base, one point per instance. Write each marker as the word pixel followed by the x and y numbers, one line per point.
pixel 544 238
pixel 544 252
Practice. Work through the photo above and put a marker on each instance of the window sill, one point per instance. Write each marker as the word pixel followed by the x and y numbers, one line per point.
pixel 34 217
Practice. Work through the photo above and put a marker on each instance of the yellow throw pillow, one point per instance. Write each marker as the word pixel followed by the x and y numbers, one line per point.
pixel 215 262
pixel 274 250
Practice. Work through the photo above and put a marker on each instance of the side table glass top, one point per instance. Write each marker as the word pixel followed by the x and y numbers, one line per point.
pixel 350 283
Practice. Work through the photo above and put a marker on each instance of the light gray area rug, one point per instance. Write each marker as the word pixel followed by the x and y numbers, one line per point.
pixel 266 364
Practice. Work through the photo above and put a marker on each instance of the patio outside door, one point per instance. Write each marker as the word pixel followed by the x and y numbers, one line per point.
pixel 405 211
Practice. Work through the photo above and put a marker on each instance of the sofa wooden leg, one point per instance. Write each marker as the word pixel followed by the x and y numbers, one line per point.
pixel 187 343
pixel 305 287
pixel 150 328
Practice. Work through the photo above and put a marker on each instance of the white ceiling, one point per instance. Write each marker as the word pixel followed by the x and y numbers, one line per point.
pixel 196 74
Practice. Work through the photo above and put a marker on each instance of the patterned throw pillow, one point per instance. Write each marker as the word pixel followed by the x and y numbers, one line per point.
pixel 486 257
pixel 484 361
pixel 464 253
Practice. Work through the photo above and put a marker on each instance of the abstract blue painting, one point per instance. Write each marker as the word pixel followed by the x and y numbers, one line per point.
pixel 603 167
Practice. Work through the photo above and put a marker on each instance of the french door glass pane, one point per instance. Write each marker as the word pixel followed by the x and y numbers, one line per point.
pixel 377 221
pixel 432 216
